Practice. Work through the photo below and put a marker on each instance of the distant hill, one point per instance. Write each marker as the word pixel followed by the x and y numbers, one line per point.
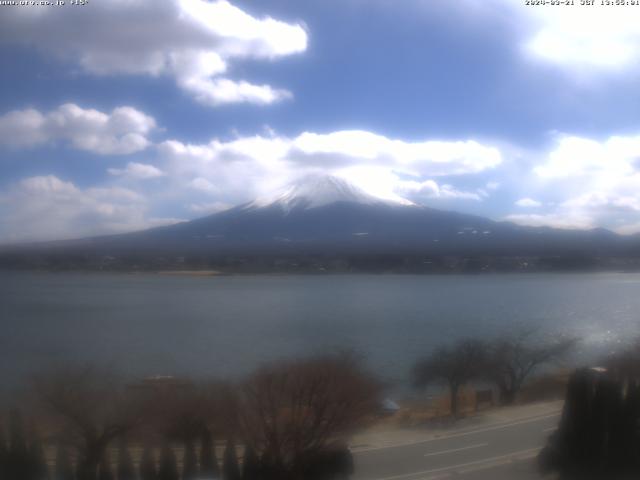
pixel 326 217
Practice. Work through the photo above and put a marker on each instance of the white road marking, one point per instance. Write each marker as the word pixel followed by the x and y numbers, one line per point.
pixel 524 456
pixel 460 434
pixel 456 450
pixel 550 429
pixel 508 457
pixel 437 477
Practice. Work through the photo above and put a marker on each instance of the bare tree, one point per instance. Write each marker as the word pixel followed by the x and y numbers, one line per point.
pixel 189 462
pixel 291 409
pixel 184 411
pixel 90 406
pixel 250 464
pixel 147 468
pixel 230 466
pixel 126 469
pixel 168 469
pixel 63 468
pixel 18 461
pixel 4 453
pixel 104 468
pixel 512 359
pixel 209 468
pixel 38 462
pixel 178 414
pixel 453 366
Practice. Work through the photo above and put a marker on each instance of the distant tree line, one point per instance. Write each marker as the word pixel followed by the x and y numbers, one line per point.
pixel 287 421
pixel 505 362
pixel 455 261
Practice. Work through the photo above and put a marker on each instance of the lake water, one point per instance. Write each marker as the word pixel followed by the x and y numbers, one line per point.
pixel 225 326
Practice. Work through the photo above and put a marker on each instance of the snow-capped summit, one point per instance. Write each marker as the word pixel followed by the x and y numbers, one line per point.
pixel 318 190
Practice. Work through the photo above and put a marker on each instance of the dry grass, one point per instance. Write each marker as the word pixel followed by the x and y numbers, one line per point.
pixel 552 386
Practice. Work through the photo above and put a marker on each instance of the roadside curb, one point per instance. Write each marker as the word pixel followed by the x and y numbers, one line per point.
pixel 402 437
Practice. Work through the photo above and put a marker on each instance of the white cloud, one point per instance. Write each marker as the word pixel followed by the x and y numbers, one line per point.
pixel 123 131
pixel 528 203
pixel 194 41
pixel 209 208
pixel 221 91
pixel 579 156
pixel 601 167
pixel 593 183
pixel 46 207
pixel 566 220
pixel 430 189
pixel 204 185
pixel 579 39
pixel 249 167
pixel 137 171
pixel 605 200
pixel 48 184
pixel 629 228
pixel 438 157
pixel 586 37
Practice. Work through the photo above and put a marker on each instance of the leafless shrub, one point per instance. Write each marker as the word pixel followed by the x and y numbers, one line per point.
pixel 290 409
pixel 453 366
pixel 511 360
pixel 90 407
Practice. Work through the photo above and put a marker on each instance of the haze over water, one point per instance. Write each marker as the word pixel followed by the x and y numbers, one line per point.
pixel 225 326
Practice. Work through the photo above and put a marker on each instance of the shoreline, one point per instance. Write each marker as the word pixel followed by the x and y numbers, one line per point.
pixel 186 273
pixel 315 273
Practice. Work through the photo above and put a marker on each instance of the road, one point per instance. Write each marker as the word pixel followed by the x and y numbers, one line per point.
pixel 497 449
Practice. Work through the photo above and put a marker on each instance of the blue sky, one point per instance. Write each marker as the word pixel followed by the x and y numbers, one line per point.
pixel 124 114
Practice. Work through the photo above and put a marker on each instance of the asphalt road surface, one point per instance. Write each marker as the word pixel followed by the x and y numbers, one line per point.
pixel 495 451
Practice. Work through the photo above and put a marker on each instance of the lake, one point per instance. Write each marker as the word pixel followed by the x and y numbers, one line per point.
pixel 224 326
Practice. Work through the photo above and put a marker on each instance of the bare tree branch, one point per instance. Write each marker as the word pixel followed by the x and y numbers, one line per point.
pixel 291 409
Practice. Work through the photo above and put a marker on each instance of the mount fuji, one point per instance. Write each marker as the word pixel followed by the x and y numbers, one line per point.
pixel 328 217
pixel 315 191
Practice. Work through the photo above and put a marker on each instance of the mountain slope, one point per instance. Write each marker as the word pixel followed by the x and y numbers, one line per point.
pixel 323 214
pixel 328 216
